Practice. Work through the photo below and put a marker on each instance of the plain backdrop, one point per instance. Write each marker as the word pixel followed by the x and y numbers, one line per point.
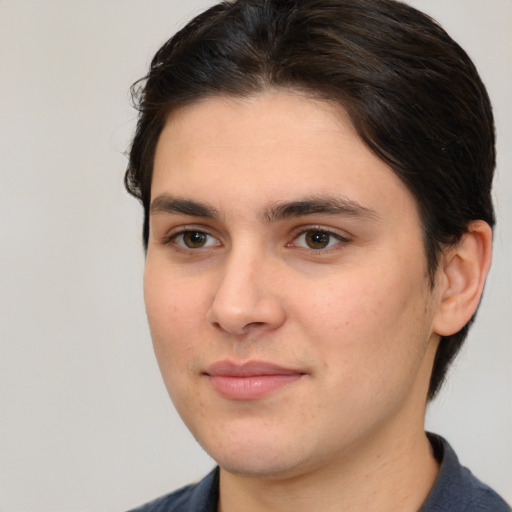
pixel 85 422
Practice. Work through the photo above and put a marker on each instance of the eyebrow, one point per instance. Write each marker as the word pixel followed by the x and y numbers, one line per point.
pixel 323 204
pixel 330 205
pixel 170 204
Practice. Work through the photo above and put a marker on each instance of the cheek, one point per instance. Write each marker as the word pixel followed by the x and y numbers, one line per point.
pixel 367 323
pixel 173 313
pixel 348 305
pixel 174 309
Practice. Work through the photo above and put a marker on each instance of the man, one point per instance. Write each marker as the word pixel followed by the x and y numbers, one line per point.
pixel 316 181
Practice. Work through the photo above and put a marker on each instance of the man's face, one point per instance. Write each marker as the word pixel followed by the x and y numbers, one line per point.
pixel 286 286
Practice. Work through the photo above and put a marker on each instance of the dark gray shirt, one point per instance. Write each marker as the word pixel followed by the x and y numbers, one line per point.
pixel 455 490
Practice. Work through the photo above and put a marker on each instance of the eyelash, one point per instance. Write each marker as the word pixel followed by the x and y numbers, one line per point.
pixel 171 238
pixel 340 240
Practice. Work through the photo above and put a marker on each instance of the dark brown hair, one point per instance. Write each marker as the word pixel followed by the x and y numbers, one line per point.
pixel 412 94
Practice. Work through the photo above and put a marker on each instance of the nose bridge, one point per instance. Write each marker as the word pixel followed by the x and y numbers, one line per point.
pixel 245 297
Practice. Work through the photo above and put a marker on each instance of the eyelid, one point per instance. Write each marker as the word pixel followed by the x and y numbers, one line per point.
pixel 342 238
pixel 341 234
pixel 174 233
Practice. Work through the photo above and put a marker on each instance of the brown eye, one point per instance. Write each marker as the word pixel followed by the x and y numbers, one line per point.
pixel 194 240
pixel 317 239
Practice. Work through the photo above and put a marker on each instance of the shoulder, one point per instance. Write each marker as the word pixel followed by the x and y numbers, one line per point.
pixel 200 497
pixel 456 488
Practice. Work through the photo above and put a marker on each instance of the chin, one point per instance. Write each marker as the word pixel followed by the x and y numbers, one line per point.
pixel 258 457
pixel 262 467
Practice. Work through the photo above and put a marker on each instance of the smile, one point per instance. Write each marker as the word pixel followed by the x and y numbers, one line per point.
pixel 251 380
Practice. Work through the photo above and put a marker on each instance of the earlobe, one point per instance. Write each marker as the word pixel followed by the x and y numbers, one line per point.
pixel 462 273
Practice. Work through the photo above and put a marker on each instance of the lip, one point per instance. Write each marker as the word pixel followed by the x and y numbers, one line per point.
pixel 250 380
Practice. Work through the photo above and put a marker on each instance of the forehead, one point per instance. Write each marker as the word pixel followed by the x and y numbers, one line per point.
pixel 276 146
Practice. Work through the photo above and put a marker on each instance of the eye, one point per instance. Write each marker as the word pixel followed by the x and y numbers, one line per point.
pixel 317 239
pixel 194 240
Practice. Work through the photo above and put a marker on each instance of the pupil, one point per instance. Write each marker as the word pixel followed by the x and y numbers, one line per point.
pixel 317 239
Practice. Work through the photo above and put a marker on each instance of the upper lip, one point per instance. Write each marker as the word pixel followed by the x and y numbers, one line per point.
pixel 248 369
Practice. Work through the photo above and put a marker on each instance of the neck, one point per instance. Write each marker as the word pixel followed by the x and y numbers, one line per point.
pixel 394 474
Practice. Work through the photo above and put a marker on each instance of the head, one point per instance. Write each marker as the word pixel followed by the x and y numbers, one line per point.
pixel 410 92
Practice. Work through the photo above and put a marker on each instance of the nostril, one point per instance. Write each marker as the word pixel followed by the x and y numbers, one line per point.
pixel 216 325
pixel 254 324
pixel 245 328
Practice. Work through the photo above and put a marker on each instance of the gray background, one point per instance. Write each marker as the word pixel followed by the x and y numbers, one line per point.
pixel 85 422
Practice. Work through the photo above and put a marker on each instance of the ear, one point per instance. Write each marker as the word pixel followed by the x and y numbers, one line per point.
pixel 461 277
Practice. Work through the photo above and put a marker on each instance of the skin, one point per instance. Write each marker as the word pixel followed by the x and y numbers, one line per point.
pixel 357 318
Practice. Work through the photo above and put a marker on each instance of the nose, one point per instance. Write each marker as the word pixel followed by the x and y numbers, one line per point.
pixel 247 298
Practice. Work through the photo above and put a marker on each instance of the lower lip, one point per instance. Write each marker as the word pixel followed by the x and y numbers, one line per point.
pixel 250 387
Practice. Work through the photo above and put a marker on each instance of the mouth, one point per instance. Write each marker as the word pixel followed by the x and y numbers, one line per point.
pixel 250 380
